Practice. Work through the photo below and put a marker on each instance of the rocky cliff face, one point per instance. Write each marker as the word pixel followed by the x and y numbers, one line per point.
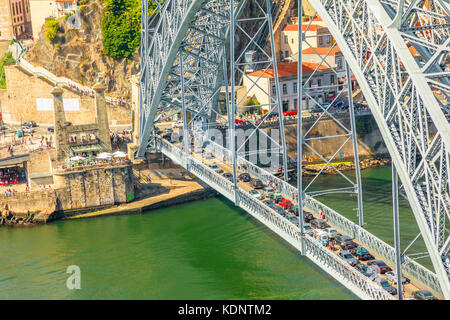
pixel 77 53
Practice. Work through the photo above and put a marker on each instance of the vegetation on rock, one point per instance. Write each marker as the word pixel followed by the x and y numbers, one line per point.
pixel 5 61
pixel 52 27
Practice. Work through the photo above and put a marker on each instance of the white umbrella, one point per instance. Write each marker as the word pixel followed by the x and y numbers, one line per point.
pixel 104 155
pixel 119 154
pixel 76 158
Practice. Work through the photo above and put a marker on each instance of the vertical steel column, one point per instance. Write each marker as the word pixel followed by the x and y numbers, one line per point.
pixel 186 139
pixel 143 79
pixel 227 99
pixel 232 109
pixel 396 231
pixel 355 145
pixel 299 127
pixel 277 88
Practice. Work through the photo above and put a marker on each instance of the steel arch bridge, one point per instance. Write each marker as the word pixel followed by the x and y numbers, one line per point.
pixel 187 55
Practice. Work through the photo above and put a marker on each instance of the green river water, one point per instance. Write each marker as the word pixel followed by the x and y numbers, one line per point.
pixel 199 250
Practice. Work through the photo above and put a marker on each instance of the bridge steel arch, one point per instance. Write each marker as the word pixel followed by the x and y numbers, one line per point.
pixel 400 89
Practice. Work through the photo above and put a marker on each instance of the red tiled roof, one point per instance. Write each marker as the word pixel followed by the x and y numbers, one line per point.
pixel 294 27
pixel 322 51
pixel 286 69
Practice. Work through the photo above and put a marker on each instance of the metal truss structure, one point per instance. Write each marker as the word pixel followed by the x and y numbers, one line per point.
pixel 184 64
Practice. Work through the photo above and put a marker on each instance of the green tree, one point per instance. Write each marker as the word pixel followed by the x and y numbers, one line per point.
pixel 52 26
pixel 5 61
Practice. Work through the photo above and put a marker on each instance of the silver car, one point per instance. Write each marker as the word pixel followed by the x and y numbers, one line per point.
pixel 348 257
pixel 308 229
pixel 392 276
pixel 256 194
pixel 331 232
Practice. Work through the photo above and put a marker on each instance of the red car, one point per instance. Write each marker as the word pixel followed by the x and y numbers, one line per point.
pixel 292 112
pixel 285 203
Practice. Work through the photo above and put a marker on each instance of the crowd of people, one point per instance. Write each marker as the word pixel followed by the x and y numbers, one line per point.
pixel 12 176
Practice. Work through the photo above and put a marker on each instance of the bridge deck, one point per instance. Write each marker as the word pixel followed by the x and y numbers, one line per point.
pixel 322 256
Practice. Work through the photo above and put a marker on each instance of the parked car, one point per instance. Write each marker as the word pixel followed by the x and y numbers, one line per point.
pixel 256 194
pixel 215 168
pixel 392 276
pixel 362 254
pixel 280 211
pixel 26 129
pixel 331 232
pixel 291 112
pixel 277 197
pixel 178 124
pixel 319 224
pixel 423 295
pixel 308 229
pixel 307 216
pixel 257 184
pixel 269 203
pixel 345 242
pixel 30 124
pixel 209 155
pixel 379 267
pixel 51 129
pixel 245 177
pixel 229 176
pixel 348 257
pixel 285 203
pixel 292 219
pixel 293 210
pixel 365 270
pixel 68 124
pixel 386 285
pixel 268 192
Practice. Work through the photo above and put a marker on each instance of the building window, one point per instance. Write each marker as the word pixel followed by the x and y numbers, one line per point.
pixel 285 88
pixel 332 79
pixel 274 92
pixel 319 82
pixel 339 64
pixel 329 39
pixel 295 103
pixel 286 54
pixel 320 41
pixel 286 41
pixel 294 87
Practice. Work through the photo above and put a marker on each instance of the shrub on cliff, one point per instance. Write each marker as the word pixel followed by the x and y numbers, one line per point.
pixel 52 27
pixel 121 28
pixel 5 61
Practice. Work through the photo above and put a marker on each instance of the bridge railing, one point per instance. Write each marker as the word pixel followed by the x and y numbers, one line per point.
pixel 410 267
pixel 322 256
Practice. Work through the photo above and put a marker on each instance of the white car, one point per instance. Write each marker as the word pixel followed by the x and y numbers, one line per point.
pixel 178 124
pixel 308 229
pixel 256 194
pixel 331 232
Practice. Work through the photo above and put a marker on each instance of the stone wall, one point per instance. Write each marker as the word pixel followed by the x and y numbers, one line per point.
pixel 76 190
pixel 22 89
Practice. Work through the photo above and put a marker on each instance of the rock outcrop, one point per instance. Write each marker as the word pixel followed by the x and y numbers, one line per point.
pixel 77 53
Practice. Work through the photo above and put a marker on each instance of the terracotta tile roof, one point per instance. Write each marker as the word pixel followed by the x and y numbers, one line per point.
pixel 294 27
pixel 286 69
pixel 322 51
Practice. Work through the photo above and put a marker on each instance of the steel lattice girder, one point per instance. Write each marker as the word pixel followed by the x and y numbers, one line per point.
pixel 399 92
pixel 405 109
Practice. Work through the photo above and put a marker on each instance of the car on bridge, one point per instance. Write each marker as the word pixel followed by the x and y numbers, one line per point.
pixel 345 242
pixel 423 295
pixel 277 197
pixel 293 219
pixel 269 203
pixel 293 210
pixel 331 232
pixel 348 257
pixel 379 266
pixel 319 224
pixel 386 285
pixel 365 270
pixel 392 276
pixel 285 203
pixel 308 229
pixel 245 177
pixel 280 211
pixel 362 254
pixel 229 176
pixel 215 168
pixel 257 184
pixel 307 216
pixel 256 194
pixel 268 192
